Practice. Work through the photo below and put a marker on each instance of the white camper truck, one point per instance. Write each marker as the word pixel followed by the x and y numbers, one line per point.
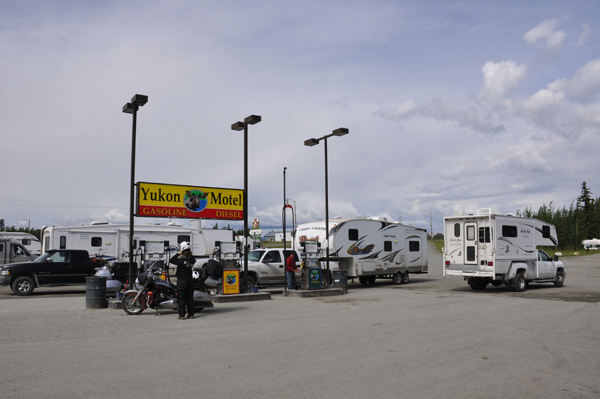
pixel 489 248
pixel 29 241
pixel 150 242
pixel 369 248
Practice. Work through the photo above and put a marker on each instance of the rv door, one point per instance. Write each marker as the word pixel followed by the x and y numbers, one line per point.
pixel 471 243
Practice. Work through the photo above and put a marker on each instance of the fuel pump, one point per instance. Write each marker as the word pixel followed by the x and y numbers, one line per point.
pixel 228 254
pixel 156 251
pixel 311 272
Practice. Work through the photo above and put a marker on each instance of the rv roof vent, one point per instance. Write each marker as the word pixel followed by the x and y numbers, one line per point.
pixel 174 224
pixel 97 222
pixel 510 214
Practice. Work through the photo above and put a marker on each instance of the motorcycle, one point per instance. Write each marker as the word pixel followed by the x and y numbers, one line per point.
pixel 213 286
pixel 154 292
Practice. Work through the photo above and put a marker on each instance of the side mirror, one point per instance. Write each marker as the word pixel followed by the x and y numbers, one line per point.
pixel 555 258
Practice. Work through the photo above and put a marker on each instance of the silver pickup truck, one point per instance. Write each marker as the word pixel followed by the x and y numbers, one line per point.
pixel 267 266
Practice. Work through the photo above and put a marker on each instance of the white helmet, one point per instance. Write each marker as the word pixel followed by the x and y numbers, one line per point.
pixel 184 245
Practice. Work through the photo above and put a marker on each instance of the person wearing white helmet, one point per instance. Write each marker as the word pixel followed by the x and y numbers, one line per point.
pixel 185 285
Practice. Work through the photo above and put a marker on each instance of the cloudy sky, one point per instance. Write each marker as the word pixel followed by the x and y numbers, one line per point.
pixel 451 105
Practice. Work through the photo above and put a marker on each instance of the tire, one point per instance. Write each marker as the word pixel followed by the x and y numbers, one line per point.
pixel 397 278
pixel 325 280
pixel 130 307
pixel 363 280
pixel 23 285
pixel 251 282
pixel 477 284
pixel 559 279
pixel 520 283
pixel 372 279
pixel 405 278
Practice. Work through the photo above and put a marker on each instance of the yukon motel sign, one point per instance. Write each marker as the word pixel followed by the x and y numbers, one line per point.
pixel 167 200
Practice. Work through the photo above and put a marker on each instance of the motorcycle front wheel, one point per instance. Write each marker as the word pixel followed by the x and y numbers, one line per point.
pixel 131 307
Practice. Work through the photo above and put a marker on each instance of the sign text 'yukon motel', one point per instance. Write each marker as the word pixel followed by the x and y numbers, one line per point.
pixel 167 200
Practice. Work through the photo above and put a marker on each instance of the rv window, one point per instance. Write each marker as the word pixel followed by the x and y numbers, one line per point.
pixel 471 233
pixel 96 241
pixel 414 246
pixel 387 246
pixel 26 241
pixel 470 253
pixel 63 242
pixel 456 229
pixel 2 247
pixel 353 234
pixel 546 231
pixel 484 234
pixel 181 239
pixel 509 231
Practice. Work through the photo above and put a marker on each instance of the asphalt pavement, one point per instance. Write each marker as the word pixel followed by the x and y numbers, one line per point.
pixel 433 337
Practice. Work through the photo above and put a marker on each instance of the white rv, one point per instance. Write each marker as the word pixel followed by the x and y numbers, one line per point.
pixel 594 244
pixel 111 241
pixel 369 248
pixel 488 248
pixel 29 241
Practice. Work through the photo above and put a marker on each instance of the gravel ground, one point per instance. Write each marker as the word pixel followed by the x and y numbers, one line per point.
pixel 434 337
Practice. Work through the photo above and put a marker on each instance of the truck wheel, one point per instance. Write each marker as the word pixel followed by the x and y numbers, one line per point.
pixel 477 284
pixel 363 280
pixel 520 283
pixel 397 278
pixel 23 286
pixel 372 279
pixel 251 282
pixel 405 278
pixel 559 280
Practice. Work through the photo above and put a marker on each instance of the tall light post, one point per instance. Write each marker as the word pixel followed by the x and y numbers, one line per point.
pixel 137 101
pixel 250 120
pixel 310 143
pixel 430 224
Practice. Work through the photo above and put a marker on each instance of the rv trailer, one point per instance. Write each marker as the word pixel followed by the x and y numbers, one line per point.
pixel 490 248
pixel 368 248
pixel 150 242
pixel 29 241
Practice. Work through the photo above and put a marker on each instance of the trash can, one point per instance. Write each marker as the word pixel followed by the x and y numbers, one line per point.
pixel 340 280
pixel 95 293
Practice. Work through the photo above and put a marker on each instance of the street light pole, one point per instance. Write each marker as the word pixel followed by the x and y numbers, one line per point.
pixel 250 120
pixel 137 101
pixel 310 143
pixel 430 224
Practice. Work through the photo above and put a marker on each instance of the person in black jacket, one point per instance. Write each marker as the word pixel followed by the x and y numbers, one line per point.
pixel 185 286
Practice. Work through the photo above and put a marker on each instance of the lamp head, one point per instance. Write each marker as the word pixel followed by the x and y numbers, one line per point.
pixel 311 142
pixel 238 126
pixel 340 132
pixel 252 119
pixel 128 108
pixel 139 99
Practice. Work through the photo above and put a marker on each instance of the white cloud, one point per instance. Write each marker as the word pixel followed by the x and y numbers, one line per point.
pixel 546 30
pixel 586 30
pixel 499 79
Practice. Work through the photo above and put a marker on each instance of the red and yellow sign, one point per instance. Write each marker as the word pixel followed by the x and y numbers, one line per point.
pixel 167 200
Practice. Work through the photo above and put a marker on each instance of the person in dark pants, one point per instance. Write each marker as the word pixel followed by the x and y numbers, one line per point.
pixel 185 285
pixel 290 271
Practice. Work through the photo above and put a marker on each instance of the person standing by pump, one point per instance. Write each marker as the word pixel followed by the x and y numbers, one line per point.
pixel 290 271
pixel 185 285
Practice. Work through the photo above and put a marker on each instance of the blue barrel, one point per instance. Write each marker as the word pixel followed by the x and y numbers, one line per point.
pixel 95 293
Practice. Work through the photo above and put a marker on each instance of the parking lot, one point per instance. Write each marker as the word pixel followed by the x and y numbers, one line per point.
pixel 434 337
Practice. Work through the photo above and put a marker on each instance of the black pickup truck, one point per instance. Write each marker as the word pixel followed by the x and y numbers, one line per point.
pixel 54 268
